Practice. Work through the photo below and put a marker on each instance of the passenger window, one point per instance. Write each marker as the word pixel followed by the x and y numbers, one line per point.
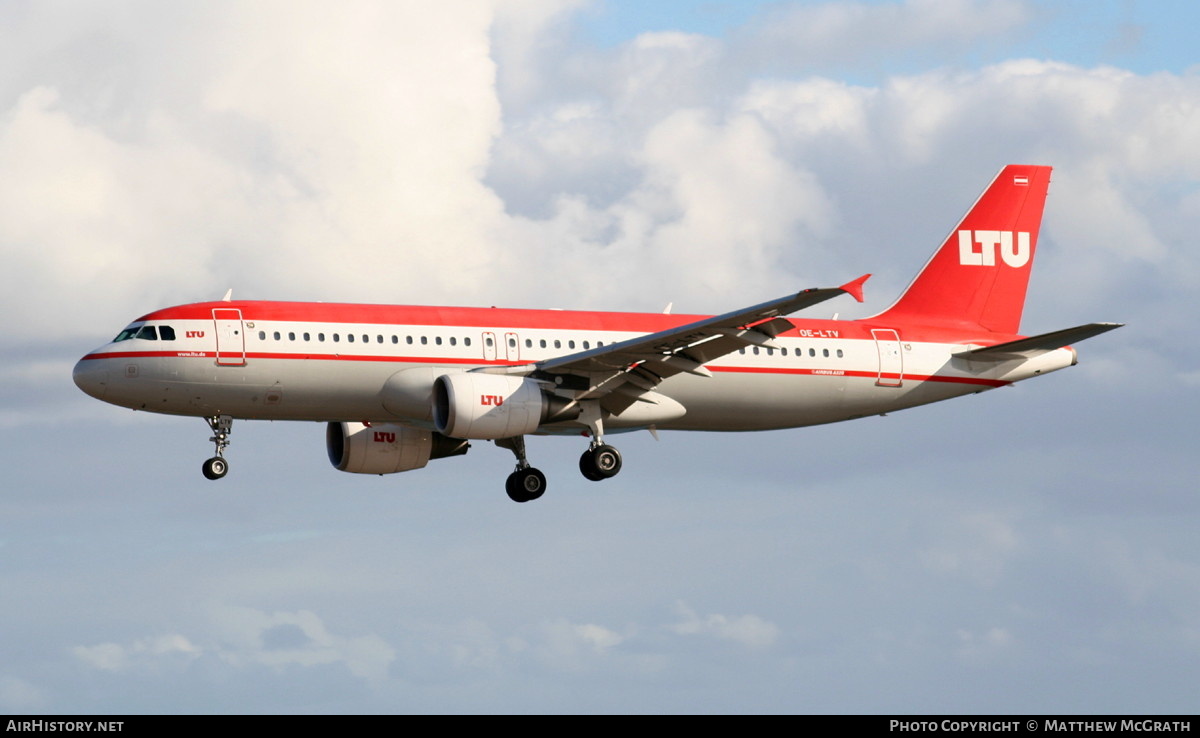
pixel 756 350
pixel 424 341
pixel 366 338
pixel 321 338
pixel 408 340
pixel 466 341
pixel 350 337
pixel 570 344
pixel 825 352
pixel 395 339
pixel 291 336
pixel 438 340
pixel 812 352
pixel 489 342
pixel 453 341
pixel 587 344
pixel 262 335
pixel 379 339
pixel 839 353
pixel 307 337
pixel 337 337
pixel 542 343
pixel 557 343
pixel 528 343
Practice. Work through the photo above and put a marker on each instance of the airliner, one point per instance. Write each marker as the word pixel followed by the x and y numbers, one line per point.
pixel 400 386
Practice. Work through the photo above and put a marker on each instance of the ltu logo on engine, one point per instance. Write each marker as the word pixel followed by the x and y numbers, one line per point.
pixel 494 400
pixel 978 248
pixel 385 437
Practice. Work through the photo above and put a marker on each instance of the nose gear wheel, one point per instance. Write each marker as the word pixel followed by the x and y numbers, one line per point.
pixel 217 466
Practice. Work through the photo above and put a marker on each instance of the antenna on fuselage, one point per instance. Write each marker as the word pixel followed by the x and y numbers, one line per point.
pixel 228 295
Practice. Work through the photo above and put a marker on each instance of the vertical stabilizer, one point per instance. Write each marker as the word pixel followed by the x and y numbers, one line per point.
pixel 978 278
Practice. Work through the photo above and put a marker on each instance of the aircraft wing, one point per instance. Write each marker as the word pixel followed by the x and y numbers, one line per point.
pixel 639 364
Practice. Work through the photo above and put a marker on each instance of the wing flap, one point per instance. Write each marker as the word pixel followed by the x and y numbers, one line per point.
pixel 699 342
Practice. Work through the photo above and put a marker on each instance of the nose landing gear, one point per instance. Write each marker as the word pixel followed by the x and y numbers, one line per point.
pixel 217 466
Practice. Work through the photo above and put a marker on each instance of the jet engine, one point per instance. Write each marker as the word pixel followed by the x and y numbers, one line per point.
pixel 491 406
pixel 386 448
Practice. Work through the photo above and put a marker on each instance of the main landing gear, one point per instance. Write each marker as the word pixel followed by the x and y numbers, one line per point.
pixel 217 466
pixel 526 484
pixel 600 461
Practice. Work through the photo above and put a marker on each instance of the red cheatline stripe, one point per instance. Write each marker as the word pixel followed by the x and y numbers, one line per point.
pixel 802 371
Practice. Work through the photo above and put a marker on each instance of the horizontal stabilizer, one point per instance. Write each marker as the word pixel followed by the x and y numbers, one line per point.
pixel 1025 347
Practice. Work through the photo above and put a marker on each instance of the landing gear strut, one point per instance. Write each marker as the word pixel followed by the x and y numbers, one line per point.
pixel 526 483
pixel 600 461
pixel 217 466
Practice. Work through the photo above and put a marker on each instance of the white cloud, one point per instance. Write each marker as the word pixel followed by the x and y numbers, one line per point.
pixel 748 630
pixel 598 637
pixel 284 639
pixel 321 152
pixel 560 645
pixel 304 164
pixel 150 653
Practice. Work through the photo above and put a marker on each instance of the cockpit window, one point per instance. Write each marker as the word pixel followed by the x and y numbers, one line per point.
pixel 127 334
pixel 147 333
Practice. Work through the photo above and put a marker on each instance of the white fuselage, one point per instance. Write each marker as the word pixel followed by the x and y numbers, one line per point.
pixel 234 364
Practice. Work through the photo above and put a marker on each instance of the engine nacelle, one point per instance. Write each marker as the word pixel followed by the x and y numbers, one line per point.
pixel 490 406
pixel 386 448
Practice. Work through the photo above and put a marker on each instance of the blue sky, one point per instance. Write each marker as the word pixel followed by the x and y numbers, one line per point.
pixel 1024 550
pixel 1140 36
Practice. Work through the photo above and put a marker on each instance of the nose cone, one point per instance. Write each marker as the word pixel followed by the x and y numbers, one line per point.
pixel 91 377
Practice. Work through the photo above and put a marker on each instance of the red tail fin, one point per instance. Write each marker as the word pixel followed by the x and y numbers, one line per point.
pixel 979 276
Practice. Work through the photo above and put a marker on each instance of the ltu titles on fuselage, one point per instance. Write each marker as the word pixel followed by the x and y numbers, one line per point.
pixel 400 386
